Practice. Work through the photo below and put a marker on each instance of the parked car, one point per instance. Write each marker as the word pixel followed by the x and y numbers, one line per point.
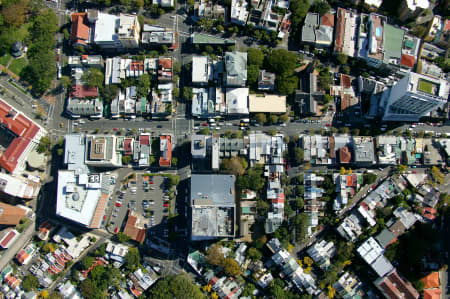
pixel 118 204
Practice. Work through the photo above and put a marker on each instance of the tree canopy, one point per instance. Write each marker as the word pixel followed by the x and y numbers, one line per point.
pixel 93 77
pixel 172 287
pixel 231 267
pixel 132 259
pixel 29 283
pixel 214 255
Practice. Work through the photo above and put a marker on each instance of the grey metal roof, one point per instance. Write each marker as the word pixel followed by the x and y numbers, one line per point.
pixel 236 68
pixel 219 188
pixel 308 30
pixel 385 237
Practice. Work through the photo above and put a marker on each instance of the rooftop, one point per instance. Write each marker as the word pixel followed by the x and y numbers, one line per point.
pixel 267 103
pixel 236 68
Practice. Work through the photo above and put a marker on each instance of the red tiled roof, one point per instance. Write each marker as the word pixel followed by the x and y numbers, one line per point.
pixel 21 256
pixel 345 155
pixel 80 31
pixel 84 91
pixel 327 20
pixel 338 42
pixel 99 211
pixel 431 280
pixel 165 160
pixel 137 66
pixel 24 128
pixel 430 210
pixel 408 60
pixel 165 63
pixel 432 294
pixel 7 238
pixel 11 215
pixel 447 26
pixel 331 147
pixel 405 287
pixel 127 145
pixel 135 233
pixel 144 140
pixel 345 81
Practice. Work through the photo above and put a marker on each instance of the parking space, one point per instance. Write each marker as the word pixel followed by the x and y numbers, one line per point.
pixel 146 195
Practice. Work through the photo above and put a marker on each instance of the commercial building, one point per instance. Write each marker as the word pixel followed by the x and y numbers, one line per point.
pixel 134 227
pixel 165 143
pixel 101 151
pixel 116 32
pixel 364 151
pixel 23 136
pixel 213 206
pixel 202 71
pixel 80 31
pixel 262 16
pixel 346 32
pixel 18 187
pixel 236 68
pixel 236 102
pixel 372 253
pixel 81 195
pixel 267 103
pixel 158 36
pixel 11 215
pixel 239 12
pixel 394 286
pixel 413 97
pixel 318 30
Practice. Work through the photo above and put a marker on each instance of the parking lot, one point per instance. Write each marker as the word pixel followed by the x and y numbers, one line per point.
pixel 143 194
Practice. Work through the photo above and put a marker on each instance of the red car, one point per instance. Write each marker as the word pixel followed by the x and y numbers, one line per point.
pixel 115 129
pixel 116 230
pixel 118 204
pixel 328 125
pixel 414 171
pixel 166 205
pixel 204 124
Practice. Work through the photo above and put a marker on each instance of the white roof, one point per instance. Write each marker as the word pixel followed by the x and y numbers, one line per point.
pixel 78 205
pixel 16 186
pixel 105 28
pixel 376 3
pixel 200 69
pixel 413 4
pixel 237 100
pixel 370 250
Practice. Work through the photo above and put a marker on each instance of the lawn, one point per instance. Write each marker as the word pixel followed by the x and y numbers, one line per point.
pixel 425 86
pixel 4 59
pixel 17 65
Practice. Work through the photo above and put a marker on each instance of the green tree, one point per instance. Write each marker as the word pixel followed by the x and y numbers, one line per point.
pixel 235 165
pixel 254 254
pixel 143 85
pixel 93 77
pixel 325 79
pixel 286 84
pixel 273 119
pixel 214 255
pixel 121 237
pixel 284 118
pixel 88 289
pixel 187 93
pixel 261 118
pixel 298 154
pixel 126 159
pixel 109 93
pixel 321 7
pixel 29 283
pixel 87 261
pixel 66 82
pixel 255 57
pixel 252 75
pixel 262 207
pixel 281 62
pixel 180 286
pixel 132 259
pixel 231 267
pixel 204 131
pixel 369 178
pixel 341 58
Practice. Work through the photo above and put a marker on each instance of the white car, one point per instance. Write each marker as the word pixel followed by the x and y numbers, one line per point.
pixel 195 128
